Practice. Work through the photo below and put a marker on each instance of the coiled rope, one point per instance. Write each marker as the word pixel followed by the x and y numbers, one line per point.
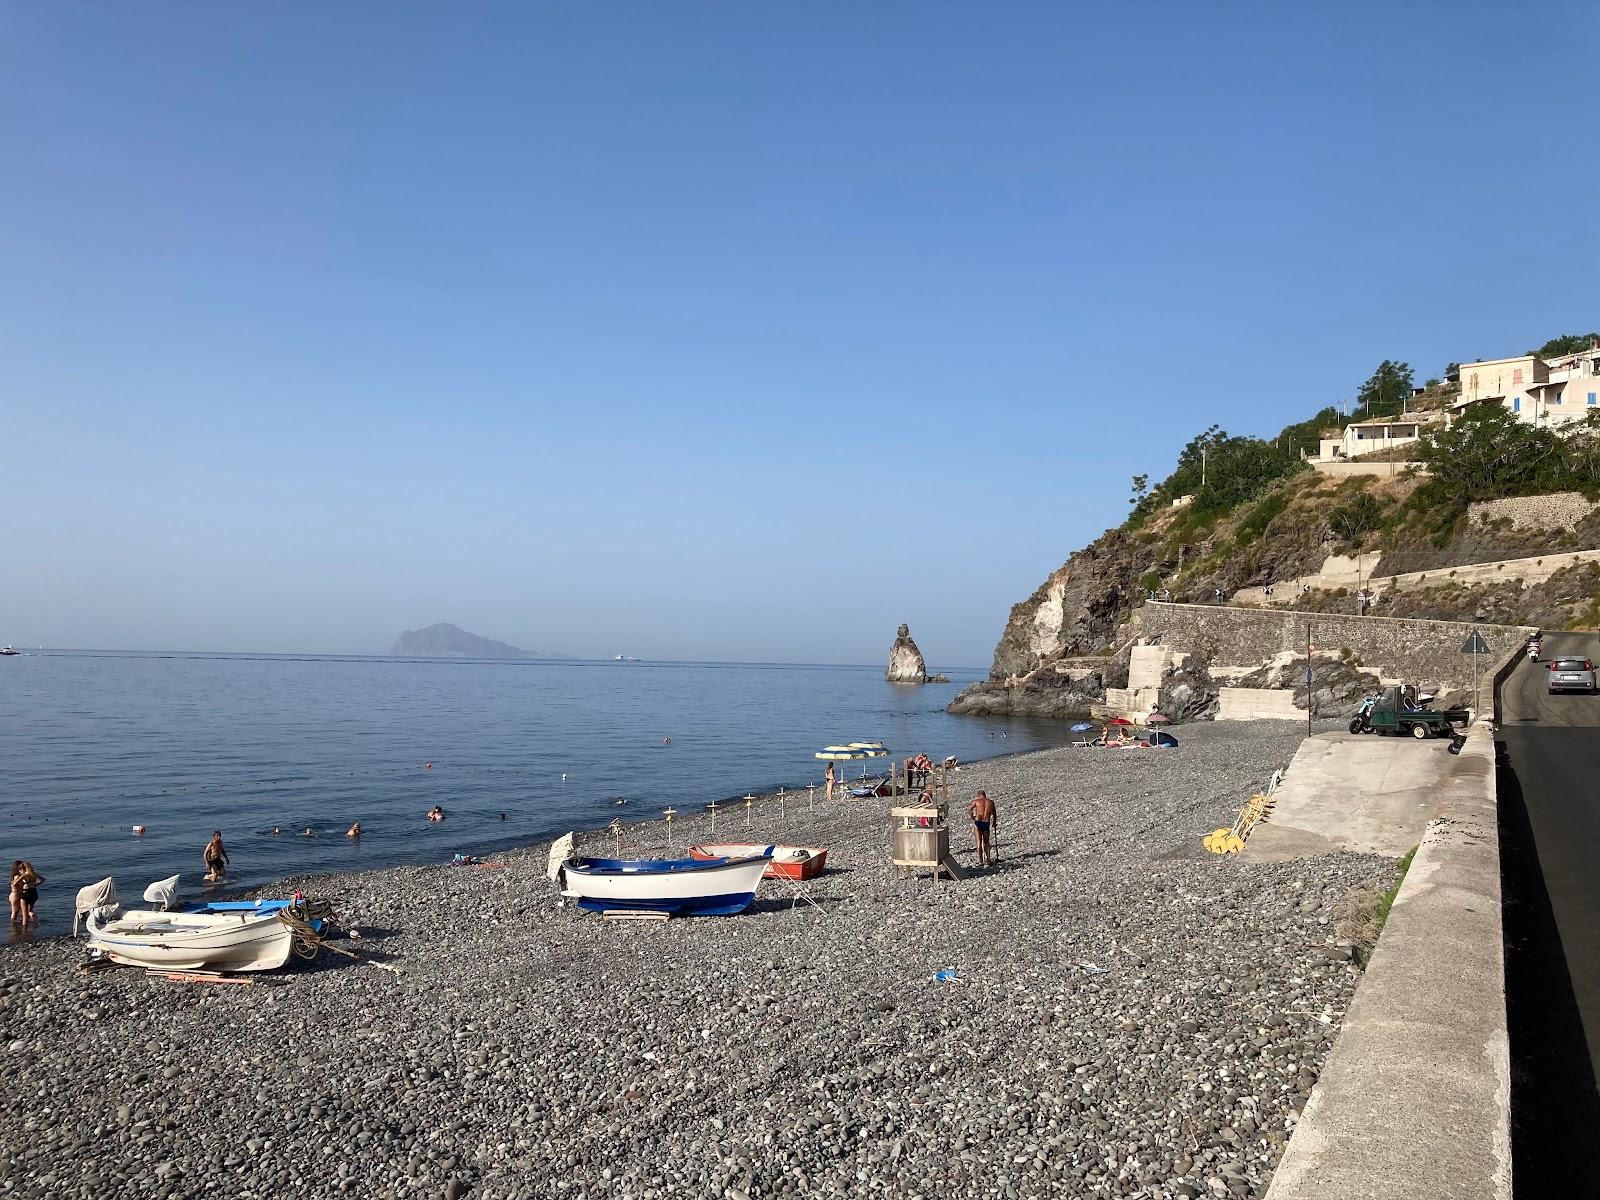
pixel 303 919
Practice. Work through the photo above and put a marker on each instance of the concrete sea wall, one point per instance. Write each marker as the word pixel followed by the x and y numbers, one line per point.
pixel 1415 1099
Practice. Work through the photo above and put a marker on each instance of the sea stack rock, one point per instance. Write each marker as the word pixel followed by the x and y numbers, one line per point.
pixel 905 660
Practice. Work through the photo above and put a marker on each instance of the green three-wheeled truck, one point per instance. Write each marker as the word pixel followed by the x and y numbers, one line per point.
pixel 1389 712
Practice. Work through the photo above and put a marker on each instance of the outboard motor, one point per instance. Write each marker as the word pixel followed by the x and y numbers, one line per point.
pixel 161 892
pixel 1457 740
pixel 93 899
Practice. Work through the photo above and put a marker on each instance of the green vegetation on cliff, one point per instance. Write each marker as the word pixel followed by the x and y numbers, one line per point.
pixel 1240 512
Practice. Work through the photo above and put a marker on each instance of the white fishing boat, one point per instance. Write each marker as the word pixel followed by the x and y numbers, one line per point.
pixel 246 938
pixel 717 887
pixel 9 651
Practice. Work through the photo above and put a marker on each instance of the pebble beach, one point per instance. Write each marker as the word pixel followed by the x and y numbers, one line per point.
pixel 1120 1014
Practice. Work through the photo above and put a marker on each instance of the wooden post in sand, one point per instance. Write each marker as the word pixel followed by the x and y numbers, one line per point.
pixel 811 795
pixel 748 802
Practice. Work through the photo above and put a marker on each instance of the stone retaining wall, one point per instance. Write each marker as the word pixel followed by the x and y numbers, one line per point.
pixel 1525 571
pixel 1344 468
pixel 1554 512
pixel 1415 1098
pixel 1257 704
pixel 1427 652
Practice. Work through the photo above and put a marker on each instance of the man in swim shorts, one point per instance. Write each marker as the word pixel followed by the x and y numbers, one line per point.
pixel 984 816
pixel 216 857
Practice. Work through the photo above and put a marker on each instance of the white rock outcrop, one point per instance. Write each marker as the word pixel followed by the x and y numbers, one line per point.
pixel 905 660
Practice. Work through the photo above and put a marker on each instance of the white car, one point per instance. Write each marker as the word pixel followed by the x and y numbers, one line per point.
pixel 1571 675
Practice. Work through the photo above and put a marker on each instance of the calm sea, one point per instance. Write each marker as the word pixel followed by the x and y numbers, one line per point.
pixel 94 743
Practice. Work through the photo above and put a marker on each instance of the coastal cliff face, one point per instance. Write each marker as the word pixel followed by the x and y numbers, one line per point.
pixel 1076 610
pixel 905 660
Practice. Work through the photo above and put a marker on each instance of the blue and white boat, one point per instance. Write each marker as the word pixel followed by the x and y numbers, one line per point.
pixel 710 887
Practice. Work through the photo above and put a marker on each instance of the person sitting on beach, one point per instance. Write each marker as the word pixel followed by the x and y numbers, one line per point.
pixel 354 830
pixel 984 815
pixel 216 857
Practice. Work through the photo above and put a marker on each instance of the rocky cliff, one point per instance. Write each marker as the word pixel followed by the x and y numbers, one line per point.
pixel 905 660
pixel 1077 609
pixel 448 641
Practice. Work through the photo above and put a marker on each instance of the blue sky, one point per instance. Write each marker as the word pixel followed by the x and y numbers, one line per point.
pixel 736 331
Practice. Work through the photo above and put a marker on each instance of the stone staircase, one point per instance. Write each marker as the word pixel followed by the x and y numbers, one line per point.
pixel 1147 666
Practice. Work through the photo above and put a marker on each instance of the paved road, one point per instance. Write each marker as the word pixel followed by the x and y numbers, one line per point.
pixel 1550 862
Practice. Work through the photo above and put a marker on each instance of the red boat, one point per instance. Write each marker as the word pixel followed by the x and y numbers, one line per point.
pixel 788 862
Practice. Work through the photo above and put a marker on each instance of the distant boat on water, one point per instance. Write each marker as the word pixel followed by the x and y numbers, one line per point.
pixel 9 650
pixel 626 658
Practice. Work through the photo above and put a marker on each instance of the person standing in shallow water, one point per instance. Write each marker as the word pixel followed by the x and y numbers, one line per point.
pixel 216 857
pixel 984 816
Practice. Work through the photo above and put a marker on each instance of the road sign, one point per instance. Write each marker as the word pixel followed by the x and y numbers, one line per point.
pixel 1474 644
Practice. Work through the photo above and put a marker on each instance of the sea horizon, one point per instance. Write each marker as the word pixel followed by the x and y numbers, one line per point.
pixel 94 743
pixel 550 659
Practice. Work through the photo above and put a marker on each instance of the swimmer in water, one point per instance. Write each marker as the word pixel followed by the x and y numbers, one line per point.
pixel 354 830
pixel 276 830
pixel 309 832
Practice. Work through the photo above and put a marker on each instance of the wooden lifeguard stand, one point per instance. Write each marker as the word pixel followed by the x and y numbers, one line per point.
pixel 919 833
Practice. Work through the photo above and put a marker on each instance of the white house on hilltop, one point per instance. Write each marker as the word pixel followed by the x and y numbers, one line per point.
pixel 1550 392
pixel 1371 436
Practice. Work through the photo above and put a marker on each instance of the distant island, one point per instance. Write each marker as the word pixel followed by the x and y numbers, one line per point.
pixel 448 641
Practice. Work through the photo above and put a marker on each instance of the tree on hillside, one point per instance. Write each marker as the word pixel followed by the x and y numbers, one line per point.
pixel 1581 448
pixel 1386 391
pixel 1567 343
pixel 1487 454
pixel 1356 518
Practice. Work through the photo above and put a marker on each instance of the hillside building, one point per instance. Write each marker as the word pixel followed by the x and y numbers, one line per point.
pixel 1550 392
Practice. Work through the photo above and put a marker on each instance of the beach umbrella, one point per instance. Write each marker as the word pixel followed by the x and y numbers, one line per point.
pixel 851 751
pixel 1156 719
pixel 1119 721
pixel 1163 739
pixel 1081 727
pixel 841 753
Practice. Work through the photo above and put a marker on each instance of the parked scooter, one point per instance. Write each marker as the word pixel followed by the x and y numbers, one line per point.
pixel 1360 723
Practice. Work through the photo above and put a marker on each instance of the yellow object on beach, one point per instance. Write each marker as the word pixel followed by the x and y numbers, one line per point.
pixel 1231 841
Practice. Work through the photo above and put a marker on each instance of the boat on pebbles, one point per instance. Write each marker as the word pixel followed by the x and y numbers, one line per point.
pixel 242 935
pixel 706 887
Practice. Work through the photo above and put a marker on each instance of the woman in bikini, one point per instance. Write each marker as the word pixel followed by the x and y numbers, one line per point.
pixel 25 883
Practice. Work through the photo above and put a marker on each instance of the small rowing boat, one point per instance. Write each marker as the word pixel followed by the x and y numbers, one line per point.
pixel 220 935
pixel 788 862
pixel 184 941
pixel 710 887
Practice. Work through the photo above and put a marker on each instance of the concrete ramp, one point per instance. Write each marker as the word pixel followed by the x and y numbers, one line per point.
pixel 1357 792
